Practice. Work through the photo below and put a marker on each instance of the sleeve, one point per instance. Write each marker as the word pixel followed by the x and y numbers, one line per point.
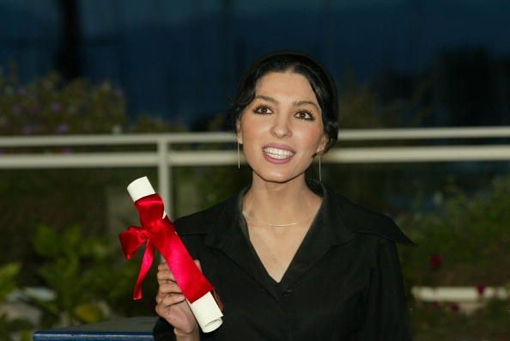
pixel 387 313
pixel 163 331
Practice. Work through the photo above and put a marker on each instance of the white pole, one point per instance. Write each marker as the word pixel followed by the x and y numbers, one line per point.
pixel 163 175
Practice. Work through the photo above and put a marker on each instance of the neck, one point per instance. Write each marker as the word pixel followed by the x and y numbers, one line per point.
pixel 280 203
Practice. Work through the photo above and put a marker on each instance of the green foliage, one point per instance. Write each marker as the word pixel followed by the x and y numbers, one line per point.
pixel 8 282
pixel 465 242
pixel 219 183
pixel 50 106
pixel 82 271
pixel 148 124
pixel 73 267
pixel 9 326
pixel 435 321
pixel 8 279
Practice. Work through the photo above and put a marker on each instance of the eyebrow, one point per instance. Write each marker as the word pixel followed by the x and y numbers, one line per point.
pixel 295 103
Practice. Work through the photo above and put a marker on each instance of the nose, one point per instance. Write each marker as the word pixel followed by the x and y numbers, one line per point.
pixel 281 126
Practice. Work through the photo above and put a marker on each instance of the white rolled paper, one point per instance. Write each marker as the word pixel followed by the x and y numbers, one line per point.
pixel 205 309
pixel 140 188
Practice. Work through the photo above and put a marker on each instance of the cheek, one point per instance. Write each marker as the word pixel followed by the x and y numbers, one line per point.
pixel 252 129
pixel 310 139
pixel 250 136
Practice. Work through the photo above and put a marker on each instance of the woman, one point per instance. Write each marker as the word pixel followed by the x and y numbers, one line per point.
pixel 290 259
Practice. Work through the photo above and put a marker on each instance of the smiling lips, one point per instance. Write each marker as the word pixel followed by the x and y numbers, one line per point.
pixel 277 155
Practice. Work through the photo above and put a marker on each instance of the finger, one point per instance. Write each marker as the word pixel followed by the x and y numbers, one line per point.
pixel 162 281
pixel 163 266
pixel 159 297
pixel 172 299
pixel 197 262
pixel 169 288
pixel 163 310
pixel 164 276
pixel 162 295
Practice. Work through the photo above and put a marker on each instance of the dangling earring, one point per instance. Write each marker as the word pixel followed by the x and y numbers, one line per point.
pixel 238 157
pixel 320 170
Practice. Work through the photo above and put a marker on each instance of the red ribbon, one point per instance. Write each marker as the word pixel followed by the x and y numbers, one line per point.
pixel 159 233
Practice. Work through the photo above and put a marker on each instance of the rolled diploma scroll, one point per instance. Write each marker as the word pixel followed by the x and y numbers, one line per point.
pixel 205 309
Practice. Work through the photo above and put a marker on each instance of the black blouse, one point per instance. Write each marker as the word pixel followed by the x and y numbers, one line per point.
pixel 344 283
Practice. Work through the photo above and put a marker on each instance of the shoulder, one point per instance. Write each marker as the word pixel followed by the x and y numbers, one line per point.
pixel 361 220
pixel 200 222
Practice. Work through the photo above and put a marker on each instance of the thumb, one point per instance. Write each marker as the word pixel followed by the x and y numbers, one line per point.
pixel 197 262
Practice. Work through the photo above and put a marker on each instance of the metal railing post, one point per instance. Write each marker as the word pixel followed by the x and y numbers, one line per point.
pixel 164 175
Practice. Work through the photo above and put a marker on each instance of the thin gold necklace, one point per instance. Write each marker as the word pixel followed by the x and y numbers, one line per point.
pixel 278 225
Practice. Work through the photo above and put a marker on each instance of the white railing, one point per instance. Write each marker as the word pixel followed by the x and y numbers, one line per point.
pixel 164 158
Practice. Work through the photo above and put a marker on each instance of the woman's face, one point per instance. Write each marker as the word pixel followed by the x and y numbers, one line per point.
pixel 282 128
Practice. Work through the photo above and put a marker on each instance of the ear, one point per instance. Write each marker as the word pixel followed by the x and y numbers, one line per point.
pixel 239 133
pixel 322 145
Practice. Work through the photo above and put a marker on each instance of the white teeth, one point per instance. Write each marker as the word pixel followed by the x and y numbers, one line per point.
pixel 276 153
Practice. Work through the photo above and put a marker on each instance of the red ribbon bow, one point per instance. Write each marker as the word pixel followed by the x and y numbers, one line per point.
pixel 160 233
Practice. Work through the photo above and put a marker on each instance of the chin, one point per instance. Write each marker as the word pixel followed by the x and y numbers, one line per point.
pixel 277 177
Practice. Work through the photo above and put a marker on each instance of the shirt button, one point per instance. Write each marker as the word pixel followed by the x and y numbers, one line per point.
pixel 287 293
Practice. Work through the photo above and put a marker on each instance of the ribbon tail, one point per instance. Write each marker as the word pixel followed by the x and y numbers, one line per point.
pixel 148 258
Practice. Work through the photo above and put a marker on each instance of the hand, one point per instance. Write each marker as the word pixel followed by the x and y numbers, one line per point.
pixel 171 304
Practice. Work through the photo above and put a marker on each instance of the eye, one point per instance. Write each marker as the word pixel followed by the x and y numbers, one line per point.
pixel 304 115
pixel 262 109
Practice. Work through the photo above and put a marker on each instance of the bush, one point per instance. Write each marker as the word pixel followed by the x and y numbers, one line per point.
pixel 85 273
pixel 462 243
pixel 48 106
pixel 8 282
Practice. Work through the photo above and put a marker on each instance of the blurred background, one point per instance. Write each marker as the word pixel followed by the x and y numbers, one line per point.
pixel 91 92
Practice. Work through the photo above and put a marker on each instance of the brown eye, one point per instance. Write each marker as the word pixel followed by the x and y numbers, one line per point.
pixel 304 115
pixel 263 110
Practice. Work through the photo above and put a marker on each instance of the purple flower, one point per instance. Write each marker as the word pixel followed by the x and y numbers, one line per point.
pixel 56 107
pixel 63 128
pixel 22 91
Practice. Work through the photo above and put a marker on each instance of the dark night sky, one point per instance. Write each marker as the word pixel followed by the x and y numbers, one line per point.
pixel 166 54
